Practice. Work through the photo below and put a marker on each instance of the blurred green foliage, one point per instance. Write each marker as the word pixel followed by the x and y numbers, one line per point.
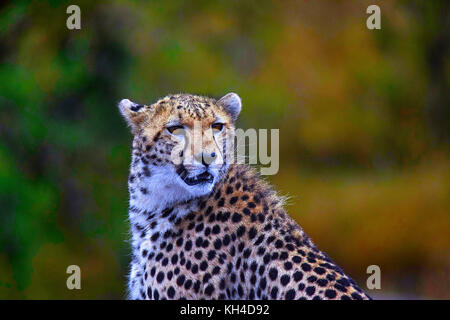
pixel 363 118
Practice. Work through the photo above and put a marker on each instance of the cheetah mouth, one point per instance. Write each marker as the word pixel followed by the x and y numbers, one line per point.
pixel 204 177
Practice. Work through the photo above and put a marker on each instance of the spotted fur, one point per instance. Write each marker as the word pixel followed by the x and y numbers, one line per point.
pixel 231 239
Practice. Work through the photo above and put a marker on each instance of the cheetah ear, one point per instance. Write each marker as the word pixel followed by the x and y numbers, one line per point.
pixel 133 113
pixel 232 104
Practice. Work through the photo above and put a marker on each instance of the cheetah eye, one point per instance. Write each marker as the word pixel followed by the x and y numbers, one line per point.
pixel 217 127
pixel 176 130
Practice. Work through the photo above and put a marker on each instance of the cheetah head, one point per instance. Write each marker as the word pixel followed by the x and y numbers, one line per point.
pixel 182 146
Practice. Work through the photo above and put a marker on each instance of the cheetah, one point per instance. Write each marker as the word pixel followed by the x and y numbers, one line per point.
pixel 203 227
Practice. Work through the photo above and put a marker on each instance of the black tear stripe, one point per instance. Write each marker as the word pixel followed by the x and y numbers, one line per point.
pixel 157 135
pixel 224 152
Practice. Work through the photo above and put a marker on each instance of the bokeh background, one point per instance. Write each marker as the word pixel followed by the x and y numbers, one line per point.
pixel 363 118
